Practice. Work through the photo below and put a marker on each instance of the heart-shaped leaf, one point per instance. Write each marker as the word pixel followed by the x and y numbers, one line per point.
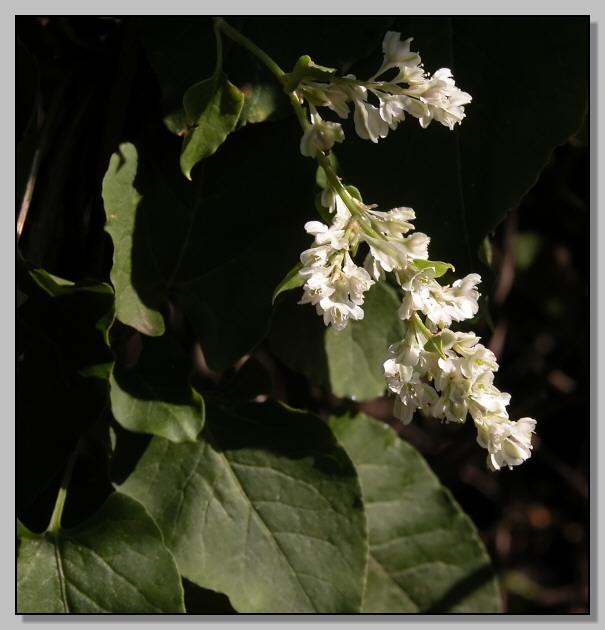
pixel 264 508
pixel 115 562
pixel 425 555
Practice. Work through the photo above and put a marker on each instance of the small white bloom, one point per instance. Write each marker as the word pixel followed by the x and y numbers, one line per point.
pixel 452 405
pixel 334 284
pixel 338 314
pixel 324 235
pixel 395 222
pixel 508 443
pixel 441 304
pixel 369 124
pixel 485 399
pixel 397 53
pixel 445 101
pixel 320 136
pixel 390 254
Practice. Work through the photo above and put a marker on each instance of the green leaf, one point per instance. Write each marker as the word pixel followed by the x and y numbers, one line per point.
pixel 349 361
pixel 221 273
pixel 264 508
pixel 63 365
pixel 212 109
pixel 440 268
pixel 150 390
pixel 355 354
pixel 293 280
pixel 115 562
pixel 425 555
pixel 262 101
pixel 122 199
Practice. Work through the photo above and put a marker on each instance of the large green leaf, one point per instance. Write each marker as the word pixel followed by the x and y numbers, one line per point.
pixel 150 390
pixel 212 109
pixel 115 562
pixel 528 76
pixel 425 555
pixel 218 255
pixel 63 364
pixel 265 508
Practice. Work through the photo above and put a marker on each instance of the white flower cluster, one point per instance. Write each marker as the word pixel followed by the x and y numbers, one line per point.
pixel 333 282
pixel 448 375
pixel 381 104
pixel 434 370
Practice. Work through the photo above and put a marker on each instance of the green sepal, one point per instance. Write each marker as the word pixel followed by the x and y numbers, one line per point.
pixel 354 192
pixel 439 267
pixel 305 68
pixel 436 342
pixel 323 212
pixel 292 280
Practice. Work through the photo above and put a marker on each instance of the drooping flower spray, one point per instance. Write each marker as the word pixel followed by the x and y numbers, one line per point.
pixel 433 369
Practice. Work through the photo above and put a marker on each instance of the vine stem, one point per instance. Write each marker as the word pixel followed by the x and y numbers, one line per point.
pixel 29 191
pixel 321 158
pixel 237 37
pixel 55 520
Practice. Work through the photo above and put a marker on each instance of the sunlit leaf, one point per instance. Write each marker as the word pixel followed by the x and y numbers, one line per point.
pixel 425 555
pixel 122 199
pixel 150 390
pixel 212 109
pixel 264 508
pixel 115 562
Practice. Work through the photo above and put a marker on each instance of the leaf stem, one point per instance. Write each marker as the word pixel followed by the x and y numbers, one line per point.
pixel 236 36
pixel 219 48
pixel 55 520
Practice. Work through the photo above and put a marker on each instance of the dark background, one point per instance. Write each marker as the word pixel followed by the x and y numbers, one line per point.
pixel 534 520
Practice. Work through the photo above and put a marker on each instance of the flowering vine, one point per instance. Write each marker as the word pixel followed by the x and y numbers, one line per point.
pixel 435 370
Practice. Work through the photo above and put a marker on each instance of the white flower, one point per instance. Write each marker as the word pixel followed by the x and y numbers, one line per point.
pixel 415 394
pixel 441 304
pixel 445 101
pixel 389 254
pixel 452 405
pixel 333 283
pixel 332 235
pixel 369 124
pixel 394 223
pixel 397 53
pixel 338 314
pixel 508 443
pixel 485 399
pixel 392 108
pixel 331 95
pixel 320 136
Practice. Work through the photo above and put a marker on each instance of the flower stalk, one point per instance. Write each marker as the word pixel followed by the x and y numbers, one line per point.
pixel 434 370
